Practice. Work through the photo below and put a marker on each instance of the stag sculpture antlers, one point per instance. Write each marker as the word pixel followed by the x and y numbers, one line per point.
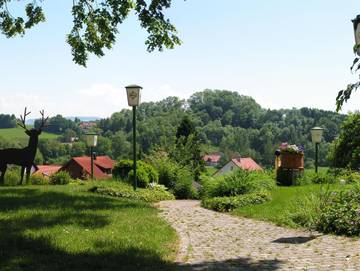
pixel 22 157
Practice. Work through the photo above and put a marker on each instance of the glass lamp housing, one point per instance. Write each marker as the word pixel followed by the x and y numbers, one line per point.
pixel 133 95
pixel 91 139
pixel 316 134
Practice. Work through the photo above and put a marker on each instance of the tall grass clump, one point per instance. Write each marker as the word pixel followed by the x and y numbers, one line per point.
pixel 237 183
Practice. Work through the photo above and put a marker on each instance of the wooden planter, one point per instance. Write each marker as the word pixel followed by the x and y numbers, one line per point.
pixel 292 160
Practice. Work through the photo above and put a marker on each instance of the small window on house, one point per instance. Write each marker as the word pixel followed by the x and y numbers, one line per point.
pixel 231 168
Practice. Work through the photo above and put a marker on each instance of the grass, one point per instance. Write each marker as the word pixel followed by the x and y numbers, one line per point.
pixel 284 203
pixel 66 228
pixel 18 133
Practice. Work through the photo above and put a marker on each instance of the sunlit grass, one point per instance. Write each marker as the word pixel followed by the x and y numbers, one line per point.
pixel 285 202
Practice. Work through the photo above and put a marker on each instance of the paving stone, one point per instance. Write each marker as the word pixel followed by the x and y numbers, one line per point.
pixel 216 241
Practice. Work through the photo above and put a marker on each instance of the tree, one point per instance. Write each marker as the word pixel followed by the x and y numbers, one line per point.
pixel 78 149
pixel 185 128
pixel 120 146
pixel 344 95
pixel 345 151
pixel 7 121
pixel 103 146
pixel 95 24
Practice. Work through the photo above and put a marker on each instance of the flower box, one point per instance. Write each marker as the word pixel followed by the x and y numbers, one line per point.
pixel 292 160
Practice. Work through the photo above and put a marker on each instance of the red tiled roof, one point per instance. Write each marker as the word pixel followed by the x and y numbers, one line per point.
pixel 102 161
pixel 214 158
pixel 246 163
pixel 47 170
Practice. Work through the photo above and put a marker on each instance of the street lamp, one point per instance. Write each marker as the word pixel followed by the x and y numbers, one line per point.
pixel 356 23
pixel 134 96
pixel 91 141
pixel 316 136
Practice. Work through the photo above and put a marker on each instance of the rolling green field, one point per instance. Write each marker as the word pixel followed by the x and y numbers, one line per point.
pixel 18 133
pixel 67 228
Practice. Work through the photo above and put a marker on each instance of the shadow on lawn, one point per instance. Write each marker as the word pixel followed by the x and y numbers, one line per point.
pixel 21 251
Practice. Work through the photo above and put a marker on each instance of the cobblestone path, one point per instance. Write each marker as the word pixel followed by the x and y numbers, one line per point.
pixel 216 241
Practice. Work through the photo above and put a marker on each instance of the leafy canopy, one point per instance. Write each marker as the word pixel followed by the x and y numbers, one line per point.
pixel 95 24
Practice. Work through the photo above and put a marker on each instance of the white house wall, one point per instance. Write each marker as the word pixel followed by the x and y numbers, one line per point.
pixel 227 169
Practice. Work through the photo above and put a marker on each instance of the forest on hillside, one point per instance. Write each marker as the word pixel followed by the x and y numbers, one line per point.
pixel 225 121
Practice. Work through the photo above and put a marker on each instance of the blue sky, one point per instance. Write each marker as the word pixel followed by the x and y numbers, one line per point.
pixel 283 53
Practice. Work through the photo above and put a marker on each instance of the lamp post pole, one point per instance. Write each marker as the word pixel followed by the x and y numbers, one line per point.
pixel 92 162
pixel 316 135
pixel 316 156
pixel 133 96
pixel 134 146
pixel 91 141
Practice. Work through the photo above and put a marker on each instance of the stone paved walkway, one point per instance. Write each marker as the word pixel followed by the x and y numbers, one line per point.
pixel 216 241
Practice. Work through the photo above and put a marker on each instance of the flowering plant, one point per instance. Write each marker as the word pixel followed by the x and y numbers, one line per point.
pixel 285 147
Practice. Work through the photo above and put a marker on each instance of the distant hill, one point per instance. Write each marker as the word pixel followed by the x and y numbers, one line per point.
pixel 31 121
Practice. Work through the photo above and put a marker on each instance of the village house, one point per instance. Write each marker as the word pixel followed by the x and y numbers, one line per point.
pixel 243 163
pixel 212 160
pixel 46 170
pixel 80 167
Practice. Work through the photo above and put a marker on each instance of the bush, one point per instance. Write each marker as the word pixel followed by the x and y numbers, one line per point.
pixel 37 179
pixel 142 177
pixel 349 176
pixel 175 177
pixel 226 204
pixel 154 193
pixel 237 183
pixel 61 177
pixel 12 177
pixel 151 172
pixel 184 189
pixel 304 211
pixel 169 171
pixel 321 177
pixel 340 212
pixel 122 168
pixel 145 173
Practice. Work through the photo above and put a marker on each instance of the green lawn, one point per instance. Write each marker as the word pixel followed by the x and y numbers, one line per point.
pixel 66 228
pixel 18 133
pixel 285 202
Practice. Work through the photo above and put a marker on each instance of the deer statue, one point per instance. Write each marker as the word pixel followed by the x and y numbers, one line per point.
pixel 22 157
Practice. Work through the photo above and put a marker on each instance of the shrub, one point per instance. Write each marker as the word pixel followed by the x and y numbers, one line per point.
pixel 152 173
pixel 122 168
pixel 237 183
pixel 154 193
pixel 12 177
pixel 226 204
pixel 38 179
pixel 349 176
pixel 304 211
pixel 61 177
pixel 184 189
pixel 169 172
pixel 145 173
pixel 175 177
pixel 321 177
pixel 340 212
pixel 142 177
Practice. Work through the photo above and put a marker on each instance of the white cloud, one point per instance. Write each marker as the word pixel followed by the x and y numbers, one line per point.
pixel 99 100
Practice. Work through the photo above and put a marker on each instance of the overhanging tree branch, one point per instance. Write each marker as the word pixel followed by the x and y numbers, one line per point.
pixel 95 24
